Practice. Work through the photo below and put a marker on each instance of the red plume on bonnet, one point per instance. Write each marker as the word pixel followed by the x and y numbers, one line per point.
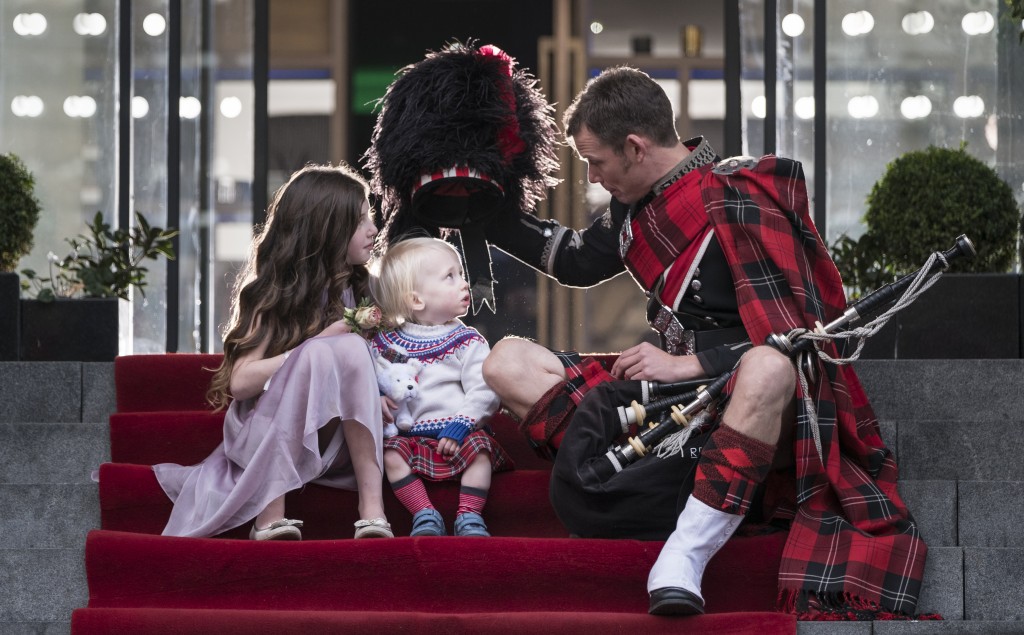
pixel 509 141
pixel 460 136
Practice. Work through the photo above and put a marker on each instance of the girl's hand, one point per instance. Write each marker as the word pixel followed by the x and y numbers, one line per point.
pixel 448 446
pixel 646 361
pixel 335 328
pixel 388 408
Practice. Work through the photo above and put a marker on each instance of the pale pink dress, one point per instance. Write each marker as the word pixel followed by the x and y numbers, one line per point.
pixel 270 442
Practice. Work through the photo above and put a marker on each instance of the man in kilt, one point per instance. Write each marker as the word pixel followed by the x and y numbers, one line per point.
pixel 727 254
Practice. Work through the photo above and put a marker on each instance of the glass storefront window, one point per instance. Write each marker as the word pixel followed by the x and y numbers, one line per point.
pixel 58 112
pixel 898 79
pixel 60 100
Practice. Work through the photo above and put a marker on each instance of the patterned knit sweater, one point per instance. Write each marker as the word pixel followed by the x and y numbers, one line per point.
pixel 453 398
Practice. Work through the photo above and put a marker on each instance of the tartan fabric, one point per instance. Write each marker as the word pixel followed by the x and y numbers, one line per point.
pixel 422 456
pixel 732 465
pixel 545 424
pixel 583 374
pixel 671 226
pixel 853 543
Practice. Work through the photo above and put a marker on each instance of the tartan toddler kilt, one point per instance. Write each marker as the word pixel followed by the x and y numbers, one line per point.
pixel 422 456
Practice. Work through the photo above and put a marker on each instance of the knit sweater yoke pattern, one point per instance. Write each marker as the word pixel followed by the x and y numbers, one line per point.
pixel 453 398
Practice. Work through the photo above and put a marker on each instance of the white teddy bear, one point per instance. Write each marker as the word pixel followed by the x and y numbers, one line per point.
pixel 398 381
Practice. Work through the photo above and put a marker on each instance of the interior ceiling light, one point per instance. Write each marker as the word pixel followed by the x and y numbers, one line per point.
pixel 792 25
pixel 918 23
pixel 858 23
pixel 916 107
pixel 978 23
pixel 27 24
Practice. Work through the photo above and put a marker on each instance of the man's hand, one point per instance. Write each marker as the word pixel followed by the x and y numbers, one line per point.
pixel 646 361
pixel 448 446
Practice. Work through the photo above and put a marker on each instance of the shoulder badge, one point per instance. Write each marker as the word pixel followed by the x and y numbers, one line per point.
pixel 732 165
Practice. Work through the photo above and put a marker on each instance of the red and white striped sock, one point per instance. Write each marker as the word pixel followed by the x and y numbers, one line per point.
pixel 472 499
pixel 411 492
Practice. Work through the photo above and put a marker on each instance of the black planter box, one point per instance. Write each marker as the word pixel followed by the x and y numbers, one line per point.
pixel 10 296
pixel 79 330
pixel 962 316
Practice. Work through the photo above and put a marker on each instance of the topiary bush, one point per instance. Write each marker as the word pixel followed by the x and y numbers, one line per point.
pixel 927 198
pixel 19 211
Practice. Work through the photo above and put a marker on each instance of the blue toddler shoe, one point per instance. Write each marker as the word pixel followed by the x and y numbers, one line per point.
pixel 427 522
pixel 470 524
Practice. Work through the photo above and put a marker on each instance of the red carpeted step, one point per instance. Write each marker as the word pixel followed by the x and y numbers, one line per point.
pixel 431 575
pixel 182 436
pixel 188 436
pixel 518 505
pixel 205 621
pixel 167 381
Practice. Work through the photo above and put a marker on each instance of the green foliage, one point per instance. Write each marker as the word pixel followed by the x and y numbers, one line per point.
pixel 927 198
pixel 863 266
pixel 921 204
pixel 1015 9
pixel 103 264
pixel 19 211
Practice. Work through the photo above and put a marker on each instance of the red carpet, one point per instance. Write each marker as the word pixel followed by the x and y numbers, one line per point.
pixel 529 578
pixel 204 622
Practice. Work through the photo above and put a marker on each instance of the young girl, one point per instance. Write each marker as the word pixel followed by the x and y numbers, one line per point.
pixel 303 396
pixel 421 286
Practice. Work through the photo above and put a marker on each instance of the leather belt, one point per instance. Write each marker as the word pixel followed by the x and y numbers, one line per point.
pixel 678 340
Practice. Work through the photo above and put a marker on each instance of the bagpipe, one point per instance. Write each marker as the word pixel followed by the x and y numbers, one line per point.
pixel 677 406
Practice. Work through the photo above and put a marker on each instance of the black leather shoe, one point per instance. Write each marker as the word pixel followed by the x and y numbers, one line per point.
pixel 675 601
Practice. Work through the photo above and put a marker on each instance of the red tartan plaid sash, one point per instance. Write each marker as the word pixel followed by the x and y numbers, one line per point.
pixel 853 544
pixel 668 229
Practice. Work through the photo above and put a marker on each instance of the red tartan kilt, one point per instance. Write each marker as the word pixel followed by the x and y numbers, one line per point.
pixel 422 456
pixel 545 424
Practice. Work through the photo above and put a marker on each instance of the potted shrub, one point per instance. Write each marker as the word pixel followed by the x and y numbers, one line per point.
pixel 923 201
pixel 74 316
pixel 19 213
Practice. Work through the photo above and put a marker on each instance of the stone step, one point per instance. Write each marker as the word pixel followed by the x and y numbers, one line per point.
pixel 989 514
pixel 47 516
pixel 35 628
pixel 962 389
pixel 962 449
pixel 52 452
pixel 943 589
pixel 934 506
pixel 992 588
pixel 942 627
pixel 966 513
pixel 41 585
pixel 56 392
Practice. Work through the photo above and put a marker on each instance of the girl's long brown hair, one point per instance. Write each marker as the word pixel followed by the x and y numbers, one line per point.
pixel 291 285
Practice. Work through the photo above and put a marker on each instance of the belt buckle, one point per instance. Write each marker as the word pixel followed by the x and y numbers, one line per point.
pixel 678 341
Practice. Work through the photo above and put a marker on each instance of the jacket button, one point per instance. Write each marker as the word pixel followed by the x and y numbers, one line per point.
pixel 695 285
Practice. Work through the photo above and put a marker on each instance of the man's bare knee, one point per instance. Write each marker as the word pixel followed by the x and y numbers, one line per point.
pixel 765 368
pixel 763 396
pixel 499 367
pixel 520 372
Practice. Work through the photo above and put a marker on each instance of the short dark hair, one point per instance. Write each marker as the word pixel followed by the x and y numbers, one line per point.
pixel 619 102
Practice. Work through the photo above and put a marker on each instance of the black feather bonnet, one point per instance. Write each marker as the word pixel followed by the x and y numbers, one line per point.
pixel 460 136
